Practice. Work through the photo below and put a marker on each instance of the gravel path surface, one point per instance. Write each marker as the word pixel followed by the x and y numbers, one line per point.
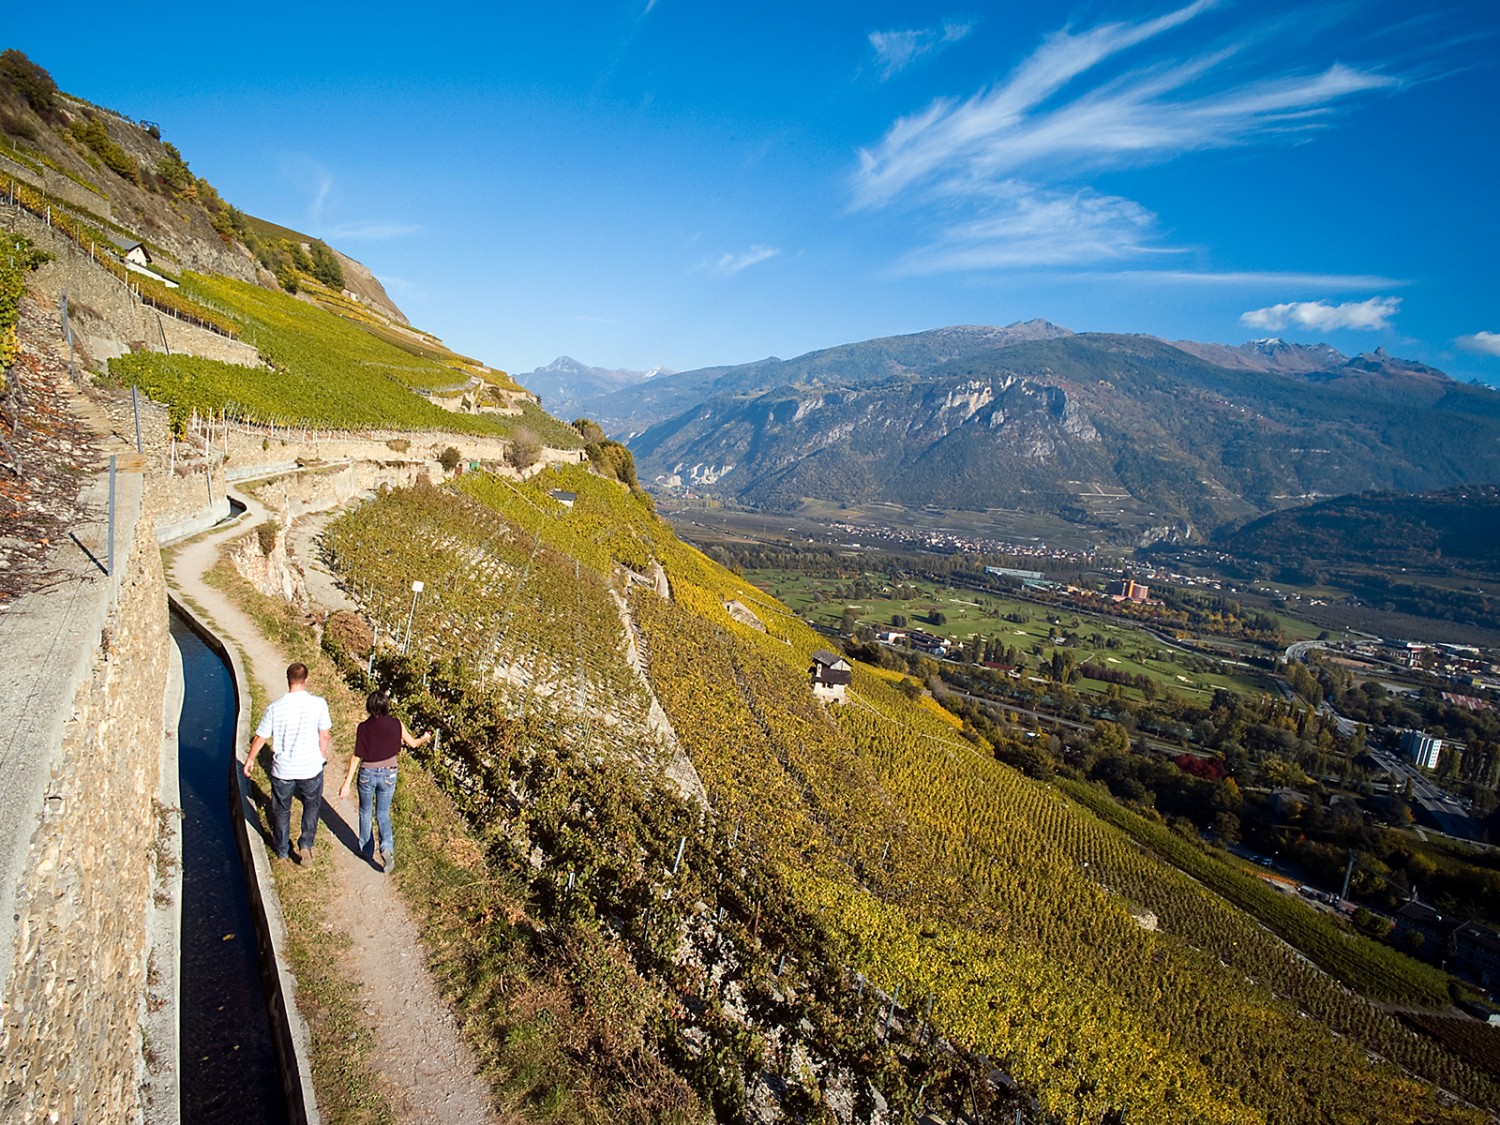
pixel 429 1071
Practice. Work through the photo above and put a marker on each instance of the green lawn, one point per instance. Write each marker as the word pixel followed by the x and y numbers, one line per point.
pixel 1095 639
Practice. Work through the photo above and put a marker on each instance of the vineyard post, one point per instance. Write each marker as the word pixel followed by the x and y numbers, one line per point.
pixel 682 843
pixel 375 640
pixel 781 964
pixel 135 405
pixel 416 588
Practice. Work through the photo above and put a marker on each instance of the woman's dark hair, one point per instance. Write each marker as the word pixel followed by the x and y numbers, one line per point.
pixel 378 704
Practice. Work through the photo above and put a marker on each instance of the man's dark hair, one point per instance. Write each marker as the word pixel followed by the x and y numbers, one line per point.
pixel 378 704
pixel 296 673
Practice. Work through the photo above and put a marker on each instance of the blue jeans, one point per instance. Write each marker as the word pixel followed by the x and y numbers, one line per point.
pixel 376 786
pixel 310 789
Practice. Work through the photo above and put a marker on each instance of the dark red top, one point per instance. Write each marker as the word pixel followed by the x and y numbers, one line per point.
pixel 377 740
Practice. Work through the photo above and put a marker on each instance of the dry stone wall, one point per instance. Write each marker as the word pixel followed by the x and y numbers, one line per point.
pixel 79 853
pixel 107 319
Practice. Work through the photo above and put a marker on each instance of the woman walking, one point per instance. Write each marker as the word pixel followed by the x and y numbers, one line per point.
pixel 377 742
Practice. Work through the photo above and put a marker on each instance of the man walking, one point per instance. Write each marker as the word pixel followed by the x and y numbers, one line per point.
pixel 299 730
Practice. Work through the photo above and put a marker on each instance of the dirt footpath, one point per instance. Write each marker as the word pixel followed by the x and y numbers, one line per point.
pixel 429 1071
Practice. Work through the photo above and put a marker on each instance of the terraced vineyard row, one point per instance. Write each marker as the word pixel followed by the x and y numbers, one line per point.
pixel 495 597
pixel 1007 913
pixel 1008 871
pixel 323 371
pixel 1368 967
pixel 91 234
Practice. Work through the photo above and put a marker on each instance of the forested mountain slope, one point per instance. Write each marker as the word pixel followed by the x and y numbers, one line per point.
pixel 1457 528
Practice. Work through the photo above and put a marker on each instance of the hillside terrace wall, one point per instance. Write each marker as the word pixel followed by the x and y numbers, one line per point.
pixel 84 673
pixel 53 183
pixel 188 487
pixel 108 320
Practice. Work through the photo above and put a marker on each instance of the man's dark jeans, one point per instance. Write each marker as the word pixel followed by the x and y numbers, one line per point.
pixel 310 789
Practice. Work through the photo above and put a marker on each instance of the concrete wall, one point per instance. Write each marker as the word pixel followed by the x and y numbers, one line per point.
pixel 82 692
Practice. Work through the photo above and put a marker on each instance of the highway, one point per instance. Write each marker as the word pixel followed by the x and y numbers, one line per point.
pixel 1444 810
pixel 1450 816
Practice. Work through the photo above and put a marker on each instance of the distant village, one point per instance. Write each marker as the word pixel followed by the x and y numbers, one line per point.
pixel 951 542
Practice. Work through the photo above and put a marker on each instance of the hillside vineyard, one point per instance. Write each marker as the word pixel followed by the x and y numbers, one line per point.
pixel 1002 910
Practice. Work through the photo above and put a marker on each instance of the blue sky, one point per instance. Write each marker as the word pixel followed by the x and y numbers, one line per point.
pixel 658 182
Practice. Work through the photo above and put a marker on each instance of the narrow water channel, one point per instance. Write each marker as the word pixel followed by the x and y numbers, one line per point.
pixel 230 1072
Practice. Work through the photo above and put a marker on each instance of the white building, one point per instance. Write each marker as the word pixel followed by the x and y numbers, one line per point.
pixel 1421 749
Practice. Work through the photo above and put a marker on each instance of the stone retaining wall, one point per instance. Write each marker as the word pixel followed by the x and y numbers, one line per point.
pixel 82 687
pixel 107 319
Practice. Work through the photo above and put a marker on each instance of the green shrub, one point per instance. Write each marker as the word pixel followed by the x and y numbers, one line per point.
pixel 17 258
pixel 266 534
pixel 326 267
pixel 29 80
pixel 92 132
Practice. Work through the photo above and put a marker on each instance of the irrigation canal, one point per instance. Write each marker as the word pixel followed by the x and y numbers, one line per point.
pixel 230 1072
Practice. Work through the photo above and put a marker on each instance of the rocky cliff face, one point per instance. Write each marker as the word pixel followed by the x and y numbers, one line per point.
pixel 1052 424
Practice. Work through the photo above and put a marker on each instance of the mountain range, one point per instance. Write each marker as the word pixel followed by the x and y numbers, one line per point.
pixel 1112 430
pixel 565 384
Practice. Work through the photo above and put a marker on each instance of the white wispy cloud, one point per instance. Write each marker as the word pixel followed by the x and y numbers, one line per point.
pixel 897 50
pixel 322 189
pixel 1164 108
pixel 1373 315
pixel 1485 343
pixel 731 264
pixel 376 230
pixel 1113 95
pixel 1022 225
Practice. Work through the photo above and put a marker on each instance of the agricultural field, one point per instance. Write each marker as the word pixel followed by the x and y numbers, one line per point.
pixel 1033 630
